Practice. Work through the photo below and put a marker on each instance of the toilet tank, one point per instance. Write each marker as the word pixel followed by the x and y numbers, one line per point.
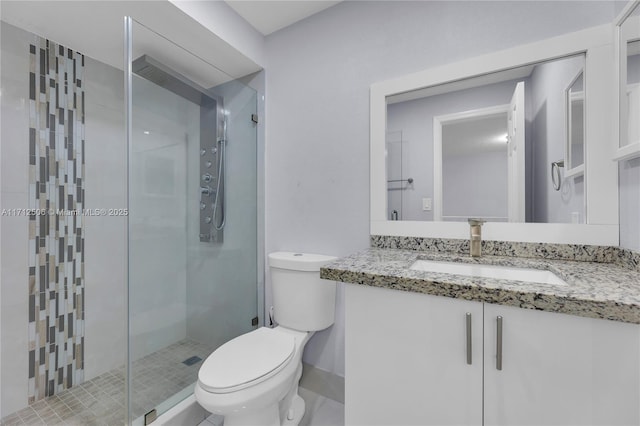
pixel 301 300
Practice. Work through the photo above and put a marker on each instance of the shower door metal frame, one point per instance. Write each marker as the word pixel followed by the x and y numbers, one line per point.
pixel 128 90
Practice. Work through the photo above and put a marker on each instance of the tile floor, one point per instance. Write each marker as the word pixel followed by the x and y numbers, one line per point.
pixel 100 401
pixel 320 411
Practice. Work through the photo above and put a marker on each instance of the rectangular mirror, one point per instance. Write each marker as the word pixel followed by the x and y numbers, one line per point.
pixel 518 137
pixel 484 147
pixel 628 52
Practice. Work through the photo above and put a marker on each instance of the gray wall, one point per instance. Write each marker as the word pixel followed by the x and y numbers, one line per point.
pixel 548 83
pixel 318 76
pixel 633 69
pixel 475 185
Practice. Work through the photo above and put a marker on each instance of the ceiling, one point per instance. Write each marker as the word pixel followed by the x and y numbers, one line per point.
pixel 95 28
pixel 268 16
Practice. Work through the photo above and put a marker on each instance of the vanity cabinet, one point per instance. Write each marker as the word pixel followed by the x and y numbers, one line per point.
pixel 560 369
pixel 406 359
pixel 406 363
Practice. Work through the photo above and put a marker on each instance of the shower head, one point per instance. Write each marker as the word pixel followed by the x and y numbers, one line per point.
pixel 160 74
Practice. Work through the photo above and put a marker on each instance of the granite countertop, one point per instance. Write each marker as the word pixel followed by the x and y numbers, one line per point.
pixel 595 290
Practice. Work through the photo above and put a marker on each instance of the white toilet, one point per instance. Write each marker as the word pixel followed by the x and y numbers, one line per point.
pixel 253 379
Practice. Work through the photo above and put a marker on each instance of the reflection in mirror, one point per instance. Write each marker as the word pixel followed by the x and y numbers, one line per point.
pixel 630 80
pixel 475 146
pixel 483 147
pixel 575 126
pixel 396 181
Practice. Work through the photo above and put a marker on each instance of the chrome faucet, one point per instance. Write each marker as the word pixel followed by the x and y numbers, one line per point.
pixel 475 244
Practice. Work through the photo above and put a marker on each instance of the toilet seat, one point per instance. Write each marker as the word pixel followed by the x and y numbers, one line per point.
pixel 246 360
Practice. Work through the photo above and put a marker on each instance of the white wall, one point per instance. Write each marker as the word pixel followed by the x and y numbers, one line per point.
pixel 318 76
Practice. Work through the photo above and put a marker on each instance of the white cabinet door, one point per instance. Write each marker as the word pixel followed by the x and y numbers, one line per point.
pixel 560 369
pixel 406 359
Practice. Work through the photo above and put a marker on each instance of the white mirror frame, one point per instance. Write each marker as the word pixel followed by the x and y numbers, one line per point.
pixel 601 174
pixel 631 150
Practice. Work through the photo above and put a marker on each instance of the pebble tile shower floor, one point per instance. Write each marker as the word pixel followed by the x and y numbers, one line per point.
pixel 100 401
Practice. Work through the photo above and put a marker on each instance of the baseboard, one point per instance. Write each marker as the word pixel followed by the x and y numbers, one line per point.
pixel 187 412
pixel 322 382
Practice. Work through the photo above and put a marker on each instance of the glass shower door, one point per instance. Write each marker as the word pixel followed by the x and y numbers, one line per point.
pixel 192 217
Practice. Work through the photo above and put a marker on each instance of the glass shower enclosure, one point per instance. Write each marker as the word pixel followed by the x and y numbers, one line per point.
pixel 192 229
pixel 129 237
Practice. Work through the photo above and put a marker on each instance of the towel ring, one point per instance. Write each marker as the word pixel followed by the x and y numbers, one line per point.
pixel 556 178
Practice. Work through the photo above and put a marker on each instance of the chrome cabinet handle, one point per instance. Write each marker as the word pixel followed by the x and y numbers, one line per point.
pixel 469 338
pixel 499 344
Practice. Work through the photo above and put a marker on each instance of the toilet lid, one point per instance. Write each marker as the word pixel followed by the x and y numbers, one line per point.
pixel 248 358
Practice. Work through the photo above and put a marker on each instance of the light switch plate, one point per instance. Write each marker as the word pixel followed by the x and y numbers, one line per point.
pixel 426 204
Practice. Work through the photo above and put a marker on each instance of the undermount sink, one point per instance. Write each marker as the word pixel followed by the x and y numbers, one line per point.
pixel 489 271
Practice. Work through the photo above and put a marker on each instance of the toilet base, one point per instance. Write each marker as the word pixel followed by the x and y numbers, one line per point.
pixel 296 412
pixel 270 416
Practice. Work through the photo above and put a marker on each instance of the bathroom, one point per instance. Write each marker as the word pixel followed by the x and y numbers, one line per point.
pixel 307 180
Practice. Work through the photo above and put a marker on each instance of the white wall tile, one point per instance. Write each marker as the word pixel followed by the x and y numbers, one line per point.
pixel 105 289
pixel 14 321
pixel 14 248
pixel 105 236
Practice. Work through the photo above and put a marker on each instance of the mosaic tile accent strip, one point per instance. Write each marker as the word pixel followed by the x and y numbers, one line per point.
pixel 56 239
pixel 584 253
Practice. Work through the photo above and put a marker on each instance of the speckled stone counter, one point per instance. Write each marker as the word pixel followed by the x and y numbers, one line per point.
pixel 596 290
pixel 586 253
